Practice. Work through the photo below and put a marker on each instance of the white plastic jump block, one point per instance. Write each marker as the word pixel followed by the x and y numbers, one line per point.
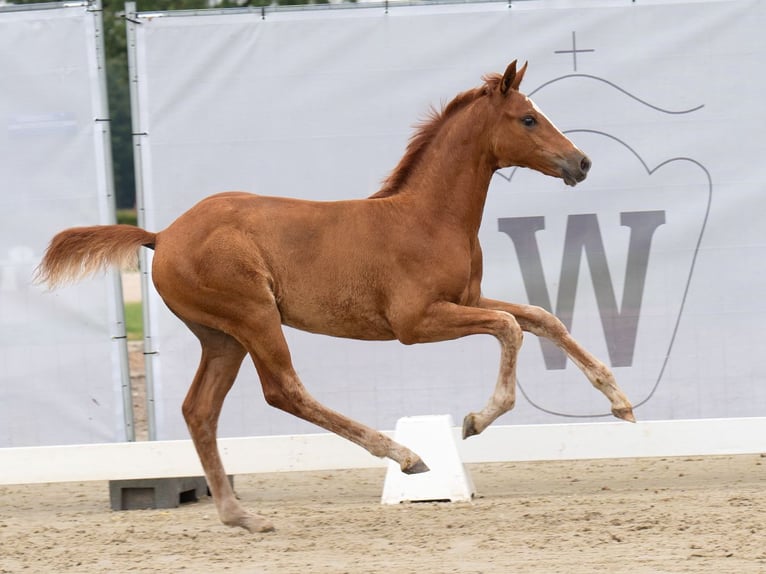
pixel 431 437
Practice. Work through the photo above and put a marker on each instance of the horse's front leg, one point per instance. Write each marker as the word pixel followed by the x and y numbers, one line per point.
pixel 444 321
pixel 540 322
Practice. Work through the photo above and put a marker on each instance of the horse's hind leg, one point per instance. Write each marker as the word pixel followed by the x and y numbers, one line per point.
pixel 221 358
pixel 540 322
pixel 283 389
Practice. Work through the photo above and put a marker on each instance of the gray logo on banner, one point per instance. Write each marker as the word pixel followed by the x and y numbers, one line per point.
pixel 583 235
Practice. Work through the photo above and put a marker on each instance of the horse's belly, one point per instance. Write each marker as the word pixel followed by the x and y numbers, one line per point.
pixel 337 320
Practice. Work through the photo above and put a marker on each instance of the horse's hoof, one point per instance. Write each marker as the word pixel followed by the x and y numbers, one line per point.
pixel 416 468
pixel 259 524
pixel 254 523
pixel 469 426
pixel 625 413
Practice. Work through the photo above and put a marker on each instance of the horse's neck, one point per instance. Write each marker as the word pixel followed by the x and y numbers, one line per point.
pixel 451 180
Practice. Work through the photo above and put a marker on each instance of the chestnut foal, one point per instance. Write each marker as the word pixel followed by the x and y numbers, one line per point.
pixel 402 264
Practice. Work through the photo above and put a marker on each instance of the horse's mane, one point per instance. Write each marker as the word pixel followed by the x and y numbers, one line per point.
pixel 426 131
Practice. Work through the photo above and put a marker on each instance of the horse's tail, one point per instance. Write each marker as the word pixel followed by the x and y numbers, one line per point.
pixel 80 251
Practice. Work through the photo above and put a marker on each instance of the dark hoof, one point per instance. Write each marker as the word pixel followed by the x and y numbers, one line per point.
pixel 416 468
pixel 469 426
pixel 625 414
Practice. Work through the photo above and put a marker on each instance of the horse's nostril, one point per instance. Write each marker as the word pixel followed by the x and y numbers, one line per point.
pixel 585 164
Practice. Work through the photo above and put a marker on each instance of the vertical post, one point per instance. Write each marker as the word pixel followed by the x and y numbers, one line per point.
pixel 108 215
pixel 139 137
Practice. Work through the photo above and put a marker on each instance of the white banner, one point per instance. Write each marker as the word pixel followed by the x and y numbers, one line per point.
pixel 60 379
pixel 655 262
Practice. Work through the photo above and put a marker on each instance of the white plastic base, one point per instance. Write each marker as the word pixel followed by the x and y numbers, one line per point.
pixel 432 438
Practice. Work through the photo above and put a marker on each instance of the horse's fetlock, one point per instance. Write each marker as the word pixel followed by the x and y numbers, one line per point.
pixel 504 401
pixel 602 376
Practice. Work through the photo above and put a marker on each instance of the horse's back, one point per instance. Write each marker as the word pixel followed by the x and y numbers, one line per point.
pixel 236 251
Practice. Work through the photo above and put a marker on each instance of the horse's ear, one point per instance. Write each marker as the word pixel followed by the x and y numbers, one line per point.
pixel 519 76
pixel 508 78
pixel 512 79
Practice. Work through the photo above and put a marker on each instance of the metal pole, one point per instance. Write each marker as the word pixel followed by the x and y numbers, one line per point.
pixel 103 121
pixel 139 137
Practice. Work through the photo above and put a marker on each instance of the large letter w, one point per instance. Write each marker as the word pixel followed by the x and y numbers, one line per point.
pixel 584 235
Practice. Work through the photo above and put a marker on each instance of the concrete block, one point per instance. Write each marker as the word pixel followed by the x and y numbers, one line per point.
pixel 156 492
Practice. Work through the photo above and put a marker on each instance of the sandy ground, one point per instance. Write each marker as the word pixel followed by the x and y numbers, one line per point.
pixel 637 515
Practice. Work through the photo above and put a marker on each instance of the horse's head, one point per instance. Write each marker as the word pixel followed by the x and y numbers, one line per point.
pixel 522 135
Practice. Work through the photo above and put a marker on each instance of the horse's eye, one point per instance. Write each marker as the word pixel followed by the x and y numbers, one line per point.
pixel 529 121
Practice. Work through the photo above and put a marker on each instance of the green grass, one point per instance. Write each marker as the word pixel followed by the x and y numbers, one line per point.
pixel 134 321
pixel 127 216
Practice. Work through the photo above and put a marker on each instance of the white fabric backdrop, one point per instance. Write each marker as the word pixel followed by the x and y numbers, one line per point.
pixel 59 366
pixel 664 96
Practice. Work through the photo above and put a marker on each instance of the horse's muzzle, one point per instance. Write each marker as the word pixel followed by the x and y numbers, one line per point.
pixel 575 170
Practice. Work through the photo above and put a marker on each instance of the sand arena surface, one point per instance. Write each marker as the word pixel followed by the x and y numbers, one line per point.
pixel 635 515
pixel 638 516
